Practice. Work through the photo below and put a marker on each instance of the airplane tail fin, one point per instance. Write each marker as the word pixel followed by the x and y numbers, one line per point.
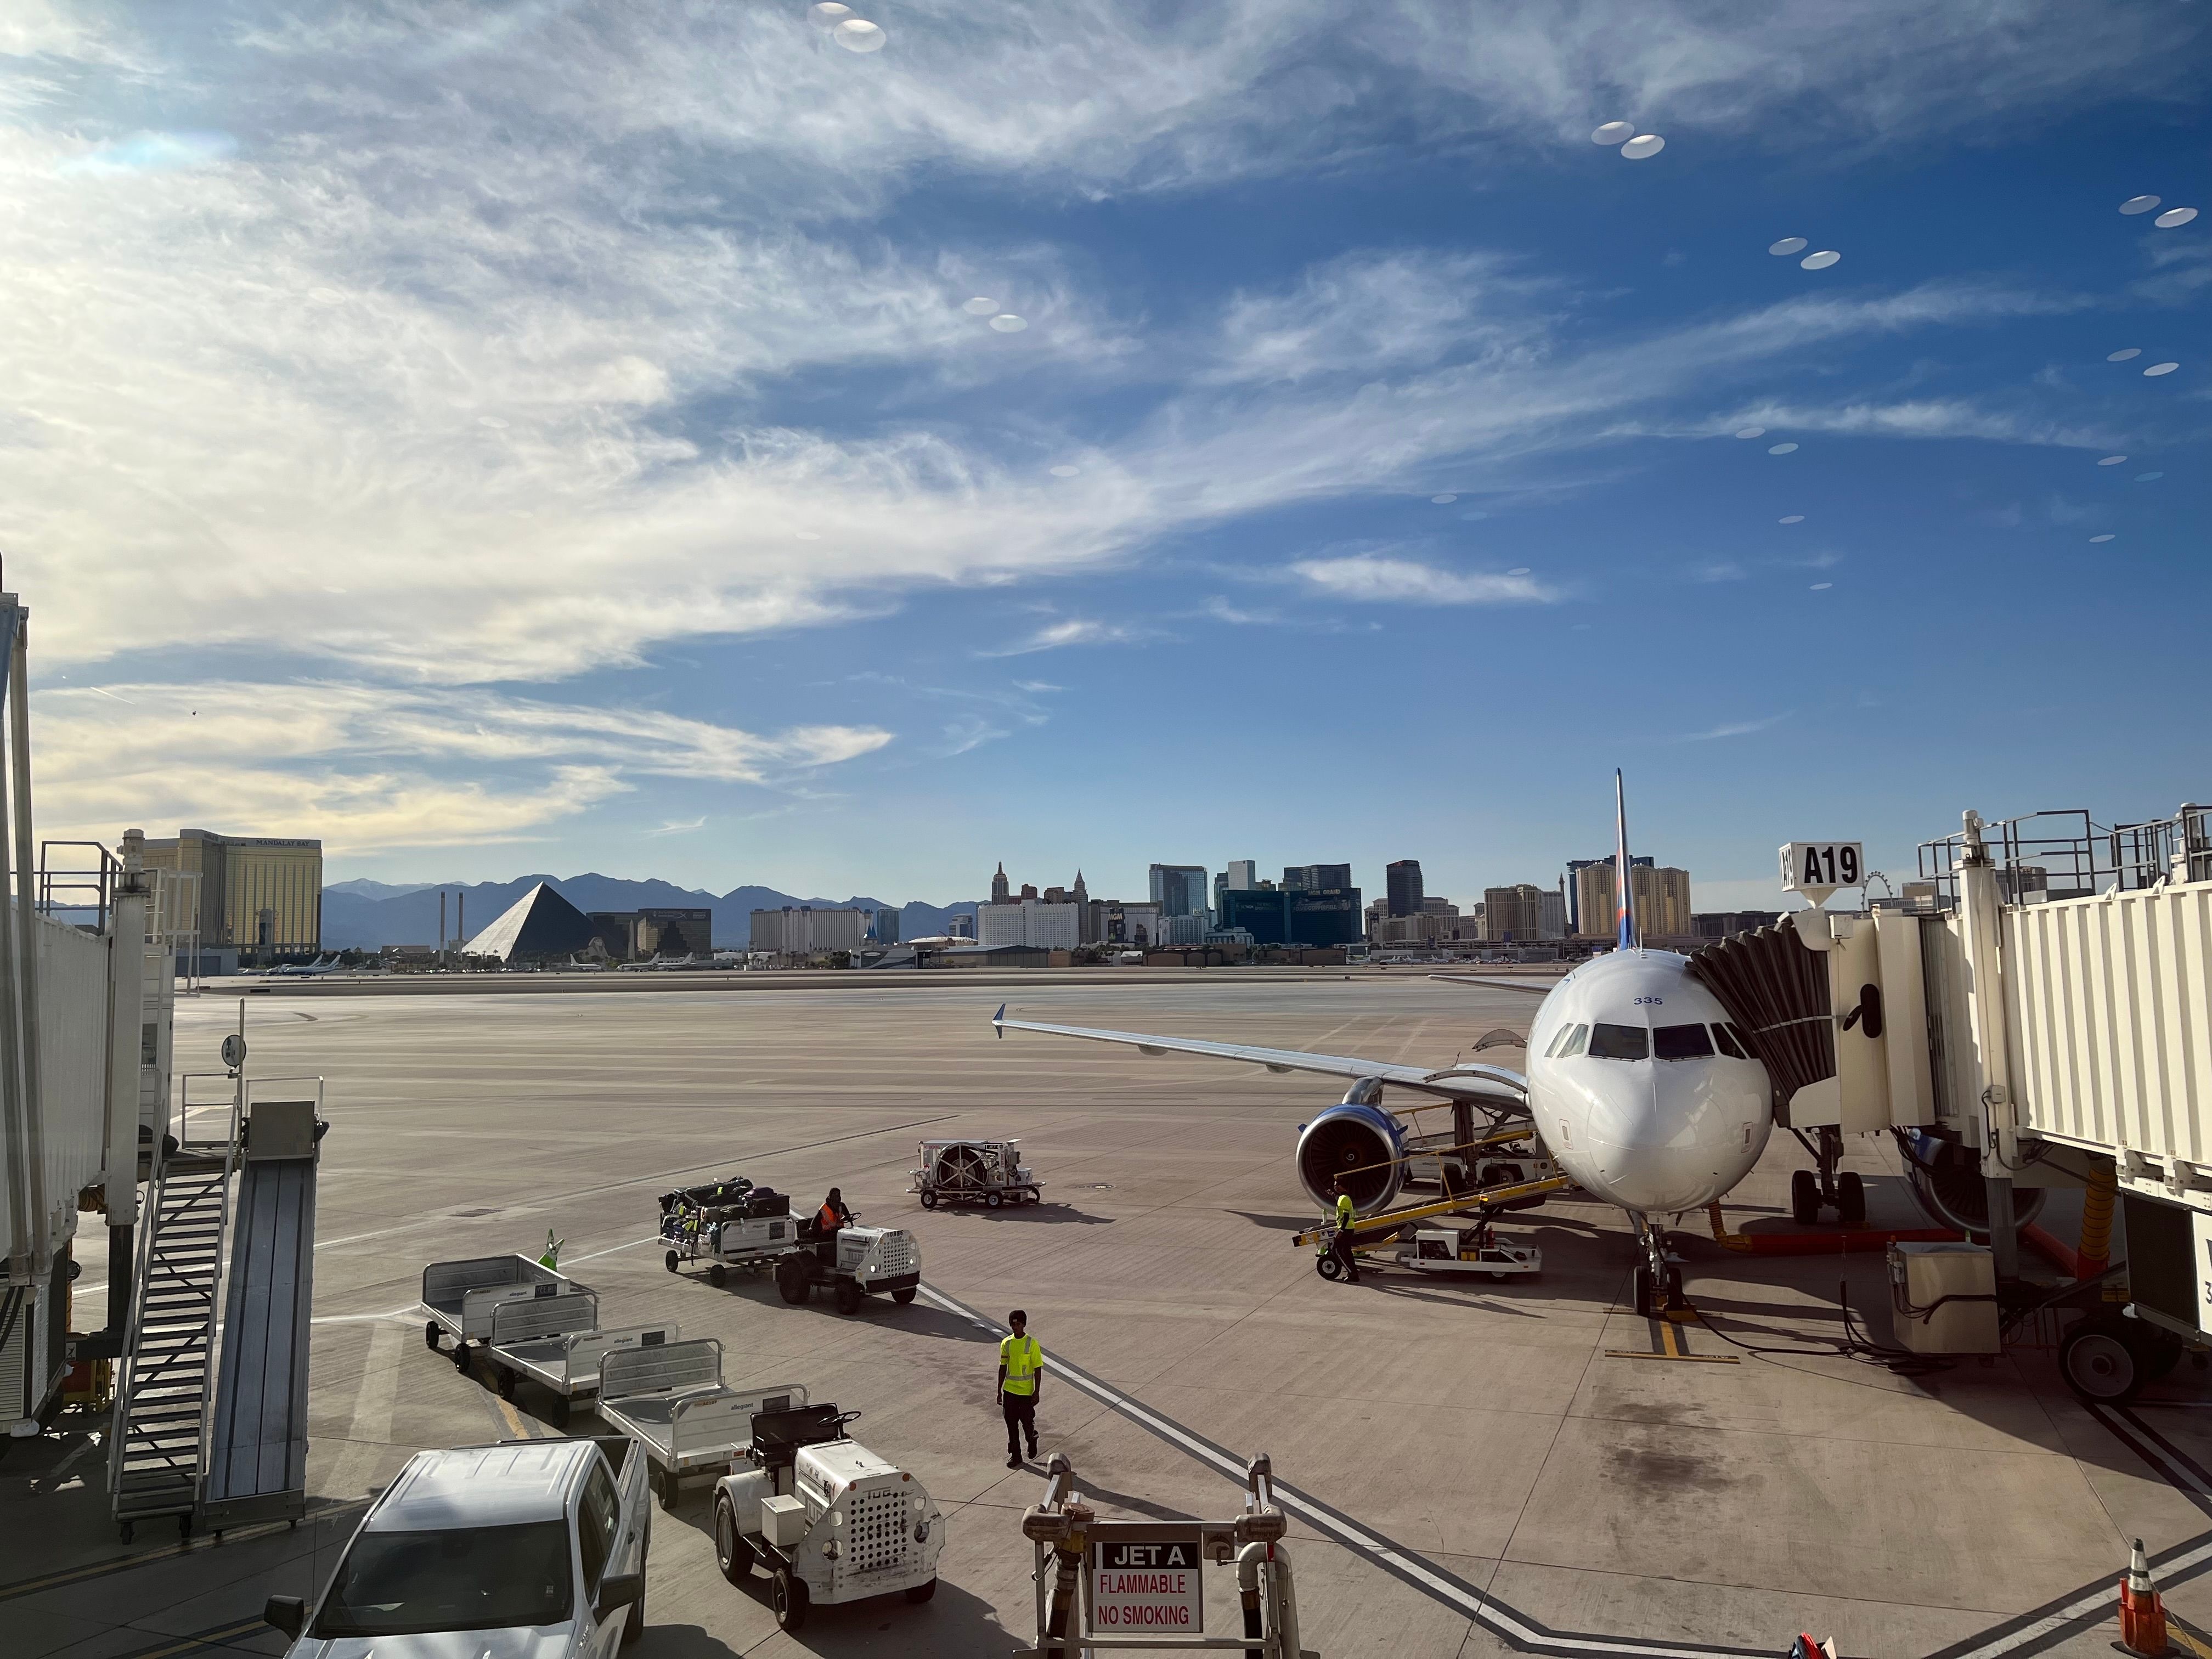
pixel 1629 938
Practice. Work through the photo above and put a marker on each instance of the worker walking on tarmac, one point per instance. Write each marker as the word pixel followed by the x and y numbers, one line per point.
pixel 1021 1368
pixel 1340 1244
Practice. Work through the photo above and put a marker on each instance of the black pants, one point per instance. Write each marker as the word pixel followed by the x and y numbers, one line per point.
pixel 1341 1247
pixel 1020 1412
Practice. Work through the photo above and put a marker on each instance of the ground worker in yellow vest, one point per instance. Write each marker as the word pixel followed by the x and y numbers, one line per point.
pixel 1340 1245
pixel 1021 1368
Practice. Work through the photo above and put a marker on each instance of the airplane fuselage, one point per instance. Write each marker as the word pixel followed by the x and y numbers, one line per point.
pixel 1641 1089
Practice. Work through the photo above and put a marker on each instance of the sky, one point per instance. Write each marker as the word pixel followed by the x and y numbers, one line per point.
pixel 657 439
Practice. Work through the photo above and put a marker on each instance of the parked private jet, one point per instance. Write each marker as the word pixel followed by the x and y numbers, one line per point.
pixel 1638 1085
pixel 315 970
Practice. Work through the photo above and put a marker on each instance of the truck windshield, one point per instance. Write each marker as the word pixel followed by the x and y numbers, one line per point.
pixel 407 1583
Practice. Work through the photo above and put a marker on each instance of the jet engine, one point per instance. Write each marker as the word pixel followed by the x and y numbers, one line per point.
pixel 1947 1181
pixel 1358 1141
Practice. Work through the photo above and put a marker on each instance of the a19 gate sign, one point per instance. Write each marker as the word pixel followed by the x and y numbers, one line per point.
pixel 1146 1580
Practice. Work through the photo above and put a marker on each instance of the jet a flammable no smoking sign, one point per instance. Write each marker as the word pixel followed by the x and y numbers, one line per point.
pixel 1146 1579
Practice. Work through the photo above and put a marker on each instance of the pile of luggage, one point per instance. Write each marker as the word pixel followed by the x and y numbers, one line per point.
pixel 734 1198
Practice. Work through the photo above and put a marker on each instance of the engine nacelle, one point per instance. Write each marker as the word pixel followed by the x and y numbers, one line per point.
pixel 1946 1180
pixel 1360 1142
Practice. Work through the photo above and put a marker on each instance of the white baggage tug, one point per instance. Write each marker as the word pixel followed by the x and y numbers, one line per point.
pixel 830 1520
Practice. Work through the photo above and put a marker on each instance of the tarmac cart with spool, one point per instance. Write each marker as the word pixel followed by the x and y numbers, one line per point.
pixel 729 1224
pixel 461 1296
pixel 671 1399
pixel 987 1172
pixel 864 1262
pixel 563 1359
pixel 830 1520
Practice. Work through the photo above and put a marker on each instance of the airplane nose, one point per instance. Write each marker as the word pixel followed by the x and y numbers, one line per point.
pixel 1664 1147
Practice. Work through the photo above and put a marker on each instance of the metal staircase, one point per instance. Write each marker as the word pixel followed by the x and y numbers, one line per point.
pixel 167 1379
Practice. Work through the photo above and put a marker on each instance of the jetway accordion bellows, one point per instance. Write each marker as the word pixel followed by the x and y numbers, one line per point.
pixel 1776 990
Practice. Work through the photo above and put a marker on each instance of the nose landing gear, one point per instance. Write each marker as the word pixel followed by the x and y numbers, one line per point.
pixel 1659 1280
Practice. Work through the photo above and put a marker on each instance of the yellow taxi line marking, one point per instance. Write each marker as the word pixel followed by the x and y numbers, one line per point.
pixel 1671 1345
pixel 522 1430
pixel 2188 1637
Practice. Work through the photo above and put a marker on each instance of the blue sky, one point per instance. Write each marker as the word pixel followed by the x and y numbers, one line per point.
pixel 548 436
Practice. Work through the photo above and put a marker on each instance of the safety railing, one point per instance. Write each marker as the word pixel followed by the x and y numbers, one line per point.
pixel 2044 856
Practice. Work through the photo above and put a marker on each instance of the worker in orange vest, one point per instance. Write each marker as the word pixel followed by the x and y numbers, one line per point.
pixel 828 1219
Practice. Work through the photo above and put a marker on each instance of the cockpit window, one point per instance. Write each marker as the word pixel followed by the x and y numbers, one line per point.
pixel 1680 1042
pixel 1619 1041
pixel 1724 1039
pixel 1569 1041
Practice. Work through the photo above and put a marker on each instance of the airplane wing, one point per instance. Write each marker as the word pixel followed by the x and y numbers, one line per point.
pixel 1494 1085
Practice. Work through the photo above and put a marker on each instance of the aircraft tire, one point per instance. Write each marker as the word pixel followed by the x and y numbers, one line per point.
pixel 1850 1198
pixel 1804 1197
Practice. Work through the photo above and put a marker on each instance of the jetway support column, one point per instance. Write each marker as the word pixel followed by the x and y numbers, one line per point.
pixel 1982 938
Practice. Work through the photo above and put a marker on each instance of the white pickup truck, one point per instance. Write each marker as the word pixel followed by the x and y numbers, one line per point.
pixel 532 1550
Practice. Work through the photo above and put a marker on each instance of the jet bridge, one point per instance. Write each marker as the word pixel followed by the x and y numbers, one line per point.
pixel 2035 1010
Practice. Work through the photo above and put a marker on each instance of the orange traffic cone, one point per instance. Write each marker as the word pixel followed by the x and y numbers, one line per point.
pixel 2142 1614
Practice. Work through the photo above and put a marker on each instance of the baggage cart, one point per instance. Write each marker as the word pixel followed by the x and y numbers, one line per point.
pixel 529 1342
pixel 459 1297
pixel 730 1224
pixel 672 1400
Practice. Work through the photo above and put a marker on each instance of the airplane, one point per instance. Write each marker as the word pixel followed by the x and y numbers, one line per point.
pixel 1638 1086
pixel 319 967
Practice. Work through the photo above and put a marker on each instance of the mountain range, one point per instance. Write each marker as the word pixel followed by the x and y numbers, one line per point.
pixel 366 915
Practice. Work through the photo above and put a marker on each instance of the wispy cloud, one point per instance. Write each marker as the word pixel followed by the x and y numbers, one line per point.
pixel 680 829
pixel 1073 630
pixel 1924 418
pixel 1735 729
pixel 1377 579
pixel 367 767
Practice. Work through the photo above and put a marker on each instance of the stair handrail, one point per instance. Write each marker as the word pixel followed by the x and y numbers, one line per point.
pixel 210 1375
pixel 126 1384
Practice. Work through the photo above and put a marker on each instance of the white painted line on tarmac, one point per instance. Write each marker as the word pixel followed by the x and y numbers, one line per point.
pixel 407 1312
pixel 1492 1615
pixel 609 1250
pixel 2103 1598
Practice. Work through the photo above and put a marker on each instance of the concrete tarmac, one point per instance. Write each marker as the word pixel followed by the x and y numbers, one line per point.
pixel 1469 1468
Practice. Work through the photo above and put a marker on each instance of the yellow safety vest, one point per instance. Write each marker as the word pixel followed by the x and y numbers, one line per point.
pixel 1346 1212
pixel 1023 1360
